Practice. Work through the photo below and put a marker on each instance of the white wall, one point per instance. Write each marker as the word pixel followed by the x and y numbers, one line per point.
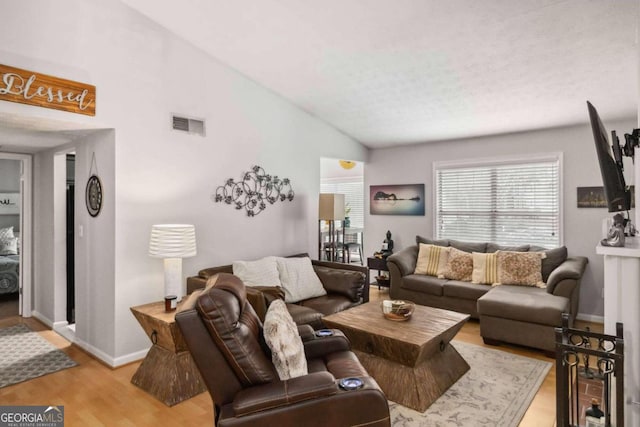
pixel 9 175
pixel 143 74
pixel 95 247
pixel 44 298
pixel 582 227
pixel 94 261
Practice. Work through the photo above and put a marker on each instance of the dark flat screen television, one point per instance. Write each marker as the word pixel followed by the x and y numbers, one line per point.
pixel 616 191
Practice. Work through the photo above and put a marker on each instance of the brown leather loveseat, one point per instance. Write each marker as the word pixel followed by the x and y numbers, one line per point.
pixel 225 338
pixel 346 285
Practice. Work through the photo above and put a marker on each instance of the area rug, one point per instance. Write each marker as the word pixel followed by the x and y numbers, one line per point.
pixel 24 355
pixel 496 391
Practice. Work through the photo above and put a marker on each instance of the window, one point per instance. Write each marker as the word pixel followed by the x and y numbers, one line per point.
pixel 509 202
pixel 353 190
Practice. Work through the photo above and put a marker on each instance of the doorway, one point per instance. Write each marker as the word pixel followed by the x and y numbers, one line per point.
pixel 70 224
pixel 9 236
pixel 346 177
pixel 15 234
pixel 63 221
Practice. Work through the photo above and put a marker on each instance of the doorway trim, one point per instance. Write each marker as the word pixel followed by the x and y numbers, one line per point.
pixel 26 230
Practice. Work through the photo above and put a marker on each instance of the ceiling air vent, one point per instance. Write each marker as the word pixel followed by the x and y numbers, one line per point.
pixel 186 124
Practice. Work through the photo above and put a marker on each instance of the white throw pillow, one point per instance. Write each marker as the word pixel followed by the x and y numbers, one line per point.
pixel 6 234
pixel 282 337
pixel 263 272
pixel 9 247
pixel 298 279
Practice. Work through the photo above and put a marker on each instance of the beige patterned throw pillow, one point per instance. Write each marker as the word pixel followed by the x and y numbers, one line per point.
pixel 520 268
pixel 459 265
pixel 484 268
pixel 432 260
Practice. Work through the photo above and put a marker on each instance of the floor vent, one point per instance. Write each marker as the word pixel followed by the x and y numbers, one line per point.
pixel 186 124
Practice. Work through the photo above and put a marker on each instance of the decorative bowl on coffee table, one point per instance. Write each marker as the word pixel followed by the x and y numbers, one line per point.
pixel 397 310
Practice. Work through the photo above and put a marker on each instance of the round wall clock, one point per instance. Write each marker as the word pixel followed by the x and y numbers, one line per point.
pixel 93 195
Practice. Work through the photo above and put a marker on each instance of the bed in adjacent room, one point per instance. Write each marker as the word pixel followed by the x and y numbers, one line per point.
pixel 9 261
pixel 9 268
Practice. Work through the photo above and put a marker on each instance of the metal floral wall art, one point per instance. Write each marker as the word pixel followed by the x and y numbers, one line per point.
pixel 254 190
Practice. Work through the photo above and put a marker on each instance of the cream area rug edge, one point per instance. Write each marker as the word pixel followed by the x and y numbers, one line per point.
pixel 496 391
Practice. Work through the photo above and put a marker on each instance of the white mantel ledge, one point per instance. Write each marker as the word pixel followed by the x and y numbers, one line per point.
pixel 631 248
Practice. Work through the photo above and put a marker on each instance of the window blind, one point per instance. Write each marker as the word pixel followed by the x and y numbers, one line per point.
pixel 508 203
pixel 353 190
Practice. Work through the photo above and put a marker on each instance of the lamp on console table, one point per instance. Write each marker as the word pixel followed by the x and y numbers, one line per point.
pixel 330 209
pixel 173 242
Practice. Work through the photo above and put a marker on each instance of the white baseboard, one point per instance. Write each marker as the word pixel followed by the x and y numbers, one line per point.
pixel 60 325
pixel 62 329
pixel 96 352
pixel 66 332
pixel 131 357
pixel 42 318
pixel 51 324
pixel 107 359
pixel 590 318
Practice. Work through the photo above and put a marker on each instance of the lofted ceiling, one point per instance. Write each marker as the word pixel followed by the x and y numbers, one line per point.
pixel 391 72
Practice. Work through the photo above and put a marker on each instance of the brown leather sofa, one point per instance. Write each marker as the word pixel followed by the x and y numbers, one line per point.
pixel 515 314
pixel 346 285
pixel 224 336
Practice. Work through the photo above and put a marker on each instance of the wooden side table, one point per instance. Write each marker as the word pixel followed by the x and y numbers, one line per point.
pixel 168 372
pixel 379 264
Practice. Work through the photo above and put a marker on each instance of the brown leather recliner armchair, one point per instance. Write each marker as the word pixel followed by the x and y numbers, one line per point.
pixel 224 336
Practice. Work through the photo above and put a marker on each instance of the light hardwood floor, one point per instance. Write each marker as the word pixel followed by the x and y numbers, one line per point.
pixel 96 395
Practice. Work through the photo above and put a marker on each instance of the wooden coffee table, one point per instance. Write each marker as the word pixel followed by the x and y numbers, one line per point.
pixel 412 361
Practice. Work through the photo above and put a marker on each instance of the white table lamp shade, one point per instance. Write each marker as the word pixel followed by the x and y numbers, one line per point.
pixel 173 242
pixel 331 207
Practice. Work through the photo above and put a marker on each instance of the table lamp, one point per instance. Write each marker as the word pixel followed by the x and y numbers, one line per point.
pixel 173 242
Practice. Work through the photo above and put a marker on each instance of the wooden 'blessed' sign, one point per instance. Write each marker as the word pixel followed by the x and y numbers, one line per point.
pixel 28 87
